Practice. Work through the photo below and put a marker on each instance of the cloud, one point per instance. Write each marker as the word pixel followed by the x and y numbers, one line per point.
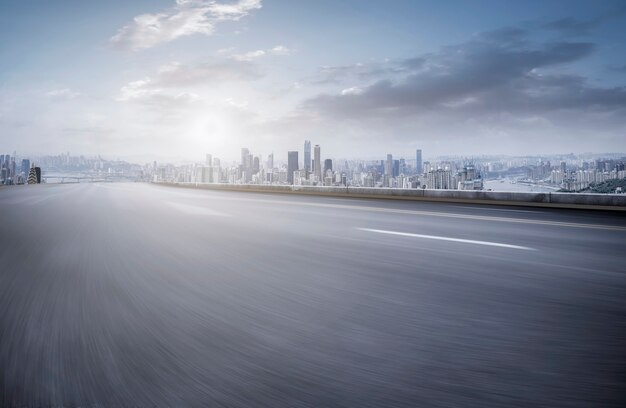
pixel 143 91
pixel 176 75
pixel 62 93
pixel 217 70
pixel 496 71
pixel 355 90
pixel 252 55
pixel 280 50
pixel 249 56
pixel 335 74
pixel 572 27
pixel 186 18
pixel 617 68
pixel 499 89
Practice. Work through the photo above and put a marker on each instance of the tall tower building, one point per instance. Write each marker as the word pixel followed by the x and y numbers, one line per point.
pixel 244 156
pixel 25 167
pixel 270 161
pixel 418 161
pixel 209 160
pixel 389 165
pixel 307 156
pixel 292 165
pixel 328 165
pixel 318 162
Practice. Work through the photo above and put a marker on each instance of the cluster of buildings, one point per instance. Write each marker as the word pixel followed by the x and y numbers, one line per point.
pixel 312 169
pixel 577 176
pixel 11 173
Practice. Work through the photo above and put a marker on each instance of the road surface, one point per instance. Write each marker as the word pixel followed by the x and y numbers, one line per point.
pixel 143 295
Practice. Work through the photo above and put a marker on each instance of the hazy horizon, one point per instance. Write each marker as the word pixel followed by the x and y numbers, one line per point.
pixel 173 80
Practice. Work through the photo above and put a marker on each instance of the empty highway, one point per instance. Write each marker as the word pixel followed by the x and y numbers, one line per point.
pixel 141 295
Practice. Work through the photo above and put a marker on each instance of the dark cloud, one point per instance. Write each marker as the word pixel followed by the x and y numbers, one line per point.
pixel 496 71
pixel 617 68
pixel 335 74
pixel 572 27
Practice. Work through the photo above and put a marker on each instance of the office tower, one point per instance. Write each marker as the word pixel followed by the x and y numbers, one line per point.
pixel 389 165
pixel 209 160
pixel 256 165
pixel 244 157
pixel 270 161
pixel 318 163
pixel 307 156
pixel 292 165
pixel 563 167
pixel 25 167
pixel 328 165
pixel 396 168
pixel 418 161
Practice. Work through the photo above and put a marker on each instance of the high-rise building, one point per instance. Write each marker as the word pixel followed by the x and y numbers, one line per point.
pixel 244 155
pixel 418 161
pixel 328 165
pixel 270 161
pixel 307 156
pixel 25 167
pixel 292 165
pixel 396 168
pixel 318 162
pixel 209 160
pixel 389 166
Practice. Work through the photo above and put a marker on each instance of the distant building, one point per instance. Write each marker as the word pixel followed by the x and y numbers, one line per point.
pixel 328 165
pixel 439 179
pixel 318 162
pixel 307 156
pixel 292 165
pixel 25 169
pixel 418 161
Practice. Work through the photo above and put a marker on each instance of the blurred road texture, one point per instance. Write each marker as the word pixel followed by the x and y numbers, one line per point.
pixel 143 295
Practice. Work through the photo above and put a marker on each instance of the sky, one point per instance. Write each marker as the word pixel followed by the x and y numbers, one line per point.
pixel 176 79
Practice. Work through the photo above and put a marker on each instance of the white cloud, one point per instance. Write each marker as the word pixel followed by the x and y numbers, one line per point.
pixel 143 92
pixel 280 50
pixel 355 90
pixel 252 55
pixel 235 104
pixel 249 56
pixel 187 17
pixel 62 93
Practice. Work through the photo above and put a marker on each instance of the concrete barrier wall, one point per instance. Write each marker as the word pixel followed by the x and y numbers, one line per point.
pixel 559 200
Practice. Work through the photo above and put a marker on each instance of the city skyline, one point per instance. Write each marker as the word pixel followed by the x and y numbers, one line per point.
pixel 178 78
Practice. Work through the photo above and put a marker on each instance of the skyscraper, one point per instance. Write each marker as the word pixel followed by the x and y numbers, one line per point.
pixel 328 165
pixel 270 161
pixel 307 156
pixel 418 161
pixel 318 162
pixel 209 160
pixel 292 165
pixel 25 167
pixel 389 165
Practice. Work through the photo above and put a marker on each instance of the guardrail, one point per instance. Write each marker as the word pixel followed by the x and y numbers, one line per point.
pixel 615 202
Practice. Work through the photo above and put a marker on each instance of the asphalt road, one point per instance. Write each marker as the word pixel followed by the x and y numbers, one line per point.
pixel 141 295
